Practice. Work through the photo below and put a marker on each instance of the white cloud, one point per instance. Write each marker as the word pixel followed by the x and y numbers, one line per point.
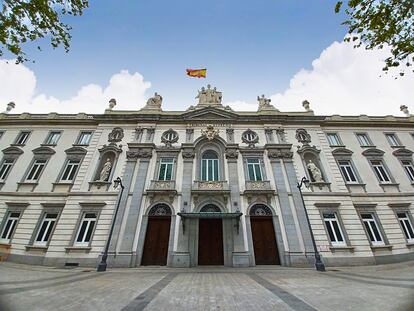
pixel 347 81
pixel 20 83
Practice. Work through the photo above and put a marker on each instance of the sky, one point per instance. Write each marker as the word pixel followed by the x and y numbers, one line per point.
pixel 289 50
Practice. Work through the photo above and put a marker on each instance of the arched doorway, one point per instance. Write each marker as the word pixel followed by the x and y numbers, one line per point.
pixel 210 237
pixel 157 236
pixel 263 235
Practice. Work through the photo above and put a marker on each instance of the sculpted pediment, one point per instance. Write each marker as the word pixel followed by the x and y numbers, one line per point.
pixel 210 114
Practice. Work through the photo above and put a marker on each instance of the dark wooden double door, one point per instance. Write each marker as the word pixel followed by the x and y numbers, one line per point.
pixel 210 242
pixel 264 241
pixel 156 241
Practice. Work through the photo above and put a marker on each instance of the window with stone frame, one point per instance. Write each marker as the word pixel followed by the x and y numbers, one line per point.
pixel 405 156
pixel 364 139
pixel 406 225
pixel 86 229
pixel 36 170
pixel 166 169
pixel 254 169
pixel 347 171
pixel 333 228
pixel 10 156
pixel 5 168
pixel 371 228
pixel 9 226
pixel 46 228
pixel 84 138
pixel 53 138
pixel 209 166
pixel 334 139
pixel 1 134
pixel 393 139
pixel 22 138
pixel 70 171
pixel 380 171
pixel 409 168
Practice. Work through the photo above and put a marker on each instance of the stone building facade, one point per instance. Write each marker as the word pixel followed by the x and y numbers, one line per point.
pixel 206 186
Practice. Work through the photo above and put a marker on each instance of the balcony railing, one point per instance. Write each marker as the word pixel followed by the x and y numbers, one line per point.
pixel 162 185
pixel 259 186
pixel 219 185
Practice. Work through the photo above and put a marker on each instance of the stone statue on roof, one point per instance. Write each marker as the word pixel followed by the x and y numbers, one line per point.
pixel 154 102
pixel 209 96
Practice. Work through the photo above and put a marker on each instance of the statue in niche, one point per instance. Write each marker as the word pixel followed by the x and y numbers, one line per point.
pixel 106 170
pixel 315 171
pixel 154 102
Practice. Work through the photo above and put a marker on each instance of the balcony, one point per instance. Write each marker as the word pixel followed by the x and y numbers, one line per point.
pixel 162 187
pixel 219 186
pixel 257 188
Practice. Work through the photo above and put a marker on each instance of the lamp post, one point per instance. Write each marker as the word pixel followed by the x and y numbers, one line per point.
pixel 318 262
pixel 102 265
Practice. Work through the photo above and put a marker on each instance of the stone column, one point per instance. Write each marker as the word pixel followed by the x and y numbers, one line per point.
pixel 240 258
pixel 132 157
pixel 181 258
pixel 144 155
pixel 277 153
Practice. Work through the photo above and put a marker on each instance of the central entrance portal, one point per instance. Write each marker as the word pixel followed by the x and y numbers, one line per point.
pixel 210 242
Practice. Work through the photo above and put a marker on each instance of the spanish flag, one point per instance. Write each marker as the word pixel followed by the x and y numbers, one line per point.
pixel 197 73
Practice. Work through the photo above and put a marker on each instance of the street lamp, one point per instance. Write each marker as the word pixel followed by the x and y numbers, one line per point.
pixel 102 265
pixel 318 262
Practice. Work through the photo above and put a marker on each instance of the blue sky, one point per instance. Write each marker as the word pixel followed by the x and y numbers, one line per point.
pixel 248 47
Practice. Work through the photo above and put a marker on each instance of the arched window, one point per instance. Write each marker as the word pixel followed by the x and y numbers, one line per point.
pixel 209 166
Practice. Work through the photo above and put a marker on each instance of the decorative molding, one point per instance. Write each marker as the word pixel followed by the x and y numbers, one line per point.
pixel 373 152
pixel 116 135
pixel 20 205
pixel 308 149
pixel 327 204
pixel 399 205
pixel 303 136
pixel 232 152
pixel 12 152
pixel 95 204
pixel 250 138
pixel 43 151
pixel 56 204
pixel 342 152
pixel 365 205
pixel 169 137
pixel 210 133
pixel 279 151
pixel 402 153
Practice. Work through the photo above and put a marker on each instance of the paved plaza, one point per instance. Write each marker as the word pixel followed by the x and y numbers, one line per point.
pixel 387 287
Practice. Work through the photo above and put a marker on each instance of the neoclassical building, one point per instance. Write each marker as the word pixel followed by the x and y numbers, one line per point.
pixel 206 186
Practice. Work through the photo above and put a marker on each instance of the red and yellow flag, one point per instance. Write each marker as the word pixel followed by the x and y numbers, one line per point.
pixel 197 73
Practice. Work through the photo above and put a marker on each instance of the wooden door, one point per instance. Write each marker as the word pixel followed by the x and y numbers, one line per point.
pixel 156 241
pixel 210 242
pixel 264 241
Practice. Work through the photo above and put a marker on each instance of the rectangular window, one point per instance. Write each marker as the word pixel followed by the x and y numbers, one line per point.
pixel 84 138
pixel 53 138
pixel 409 169
pixel 36 170
pixel 209 170
pixel 70 170
pixel 363 139
pixel 333 139
pixel 347 171
pixel 86 229
pixel 392 139
pixel 254 169
pixel 334 230
pixel 166 168
pixel 5 168
pixel 380 171
pixel 22 138
pixel 372 229
pixel 406 225
pixel 46 228
pixel 10 226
